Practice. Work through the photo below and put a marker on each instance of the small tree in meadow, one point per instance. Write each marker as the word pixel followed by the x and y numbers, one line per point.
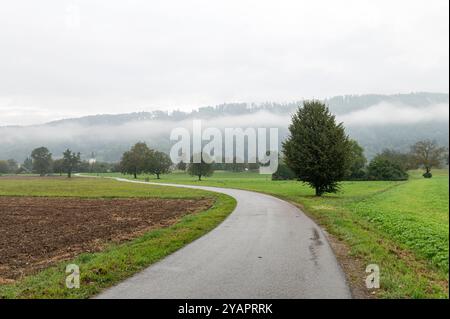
pixel 70 162
pixel 201 169
pixel 428 154
pixel 136 160
pixel 159 163
pixel 42 160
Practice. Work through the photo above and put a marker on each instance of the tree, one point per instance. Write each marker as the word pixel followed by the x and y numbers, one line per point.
pixel 159 163
pixel 9 166
pixel 200 169
pixel 381 169
pixel 357 162
pixel 403 160
pixel 13 166
pixel 317 150
pixel 135 161
pixel 42 160
pixel 181 166
pixel 58 166
pixel 27 165
pixel 70 161
pixel 4 167
pixel 428 154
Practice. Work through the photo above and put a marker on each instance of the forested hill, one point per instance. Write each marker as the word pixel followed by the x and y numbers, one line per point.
pixel 338 105
pixel 376 121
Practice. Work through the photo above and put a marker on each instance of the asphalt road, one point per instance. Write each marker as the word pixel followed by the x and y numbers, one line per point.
pixel 266 248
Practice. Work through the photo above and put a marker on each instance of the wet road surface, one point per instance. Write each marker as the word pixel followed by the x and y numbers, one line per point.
pixel 266 248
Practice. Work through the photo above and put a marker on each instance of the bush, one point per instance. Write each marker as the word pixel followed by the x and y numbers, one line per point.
pixel 384 170
pixel 357 175
pixel 428 175
pixel 283 173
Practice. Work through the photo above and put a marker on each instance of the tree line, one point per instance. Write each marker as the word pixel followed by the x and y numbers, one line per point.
pixel 141 159
pixel 41 162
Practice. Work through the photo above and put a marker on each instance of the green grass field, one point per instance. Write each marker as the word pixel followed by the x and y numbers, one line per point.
pixel 118 261
pixel 401 226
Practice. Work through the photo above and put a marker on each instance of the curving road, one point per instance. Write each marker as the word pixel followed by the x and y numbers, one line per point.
pixel 266 248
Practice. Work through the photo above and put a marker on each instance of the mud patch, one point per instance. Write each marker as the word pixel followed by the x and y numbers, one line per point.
pixel 36 232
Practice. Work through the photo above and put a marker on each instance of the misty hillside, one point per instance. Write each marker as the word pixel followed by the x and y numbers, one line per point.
pixel 375 121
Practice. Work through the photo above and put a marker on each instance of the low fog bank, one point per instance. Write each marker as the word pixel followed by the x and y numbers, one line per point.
pixel 384 114
pixel 375 128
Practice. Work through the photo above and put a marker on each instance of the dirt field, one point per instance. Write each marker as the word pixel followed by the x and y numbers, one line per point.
pixel 36 232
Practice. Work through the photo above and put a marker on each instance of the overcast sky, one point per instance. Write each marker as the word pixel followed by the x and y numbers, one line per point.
pixel 69 58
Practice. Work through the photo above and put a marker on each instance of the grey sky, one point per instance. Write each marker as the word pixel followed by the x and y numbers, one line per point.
pixel 69 58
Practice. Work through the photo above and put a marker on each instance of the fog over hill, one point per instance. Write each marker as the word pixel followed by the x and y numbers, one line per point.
pixel 375 121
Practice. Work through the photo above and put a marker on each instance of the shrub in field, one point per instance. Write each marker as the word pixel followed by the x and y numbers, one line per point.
pixel 358 162
pixel 381 169
pixel 428 175
pixel 404 160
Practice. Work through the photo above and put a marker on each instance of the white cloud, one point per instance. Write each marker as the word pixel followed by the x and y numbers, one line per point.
pixel 27 115
pixel 388 114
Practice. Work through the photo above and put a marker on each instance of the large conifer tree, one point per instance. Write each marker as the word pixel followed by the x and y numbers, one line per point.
pixel 317 150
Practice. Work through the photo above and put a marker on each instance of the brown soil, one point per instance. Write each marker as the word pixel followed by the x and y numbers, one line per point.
pixel 36 232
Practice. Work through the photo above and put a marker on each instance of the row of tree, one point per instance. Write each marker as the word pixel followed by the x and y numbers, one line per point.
pixel 41 162
pixel 141 159
pixel 8 167
pixel 393 165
